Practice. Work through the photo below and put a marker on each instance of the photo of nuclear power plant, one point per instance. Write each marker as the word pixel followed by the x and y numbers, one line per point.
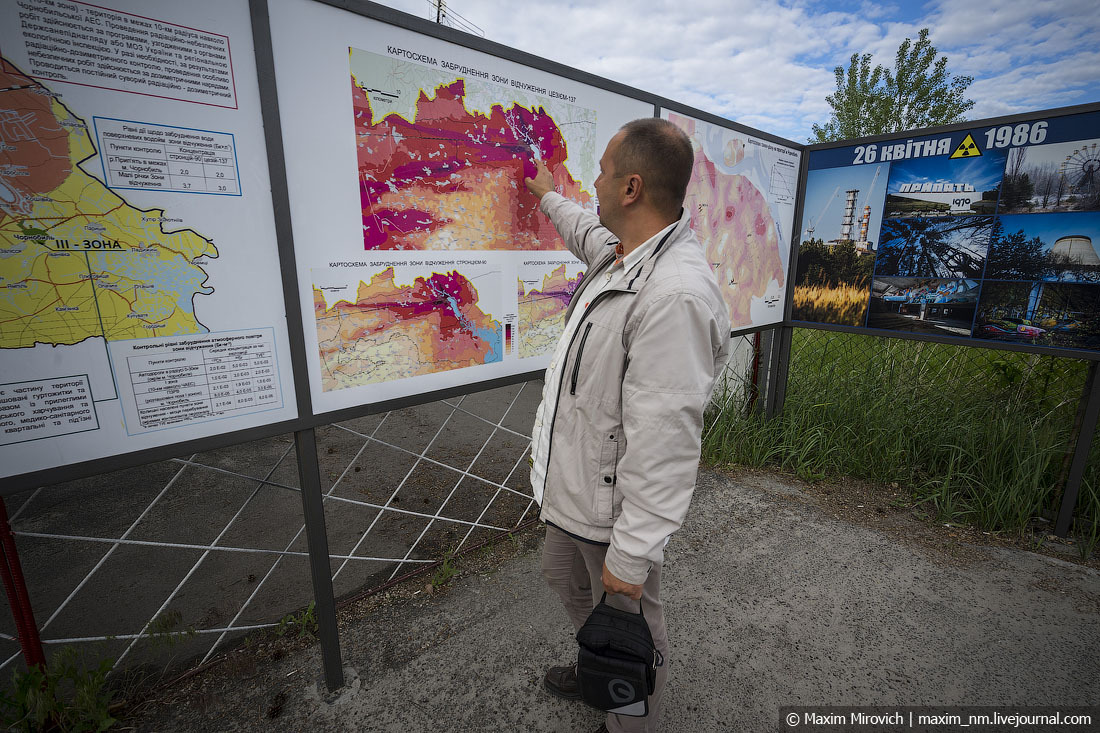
pixel 848 211
pixel 842 216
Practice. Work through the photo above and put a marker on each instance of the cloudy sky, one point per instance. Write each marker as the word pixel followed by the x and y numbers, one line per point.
pixel 768 63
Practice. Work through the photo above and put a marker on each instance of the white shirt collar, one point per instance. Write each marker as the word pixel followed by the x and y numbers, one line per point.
pixel 641 251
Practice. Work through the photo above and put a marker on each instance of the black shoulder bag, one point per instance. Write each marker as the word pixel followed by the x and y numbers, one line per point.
pixel 617 663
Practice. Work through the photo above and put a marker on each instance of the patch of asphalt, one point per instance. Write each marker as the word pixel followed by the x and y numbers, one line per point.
pixel 774 597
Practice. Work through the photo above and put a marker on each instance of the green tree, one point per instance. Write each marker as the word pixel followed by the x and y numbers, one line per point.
pixel 1015 257
pixel 918 92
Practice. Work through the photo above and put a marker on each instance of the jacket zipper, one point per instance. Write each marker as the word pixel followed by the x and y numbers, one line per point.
pixel 557 399
pixel 577 361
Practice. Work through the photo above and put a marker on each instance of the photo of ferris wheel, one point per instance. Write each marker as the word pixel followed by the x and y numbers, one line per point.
pixel 1056 177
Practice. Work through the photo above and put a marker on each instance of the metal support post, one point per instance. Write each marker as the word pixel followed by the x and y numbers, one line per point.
pixel 313 509
pixel 1090 404
pixel 16 588
pixel 779 363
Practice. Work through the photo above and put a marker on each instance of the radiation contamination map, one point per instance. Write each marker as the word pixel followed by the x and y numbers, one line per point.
pixel 132 253
pixel 441 158
pixel 741 198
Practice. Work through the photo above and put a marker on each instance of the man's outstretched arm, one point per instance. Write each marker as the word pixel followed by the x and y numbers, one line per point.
pixel 580 228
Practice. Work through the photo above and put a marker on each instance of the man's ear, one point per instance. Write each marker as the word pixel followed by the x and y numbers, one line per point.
pixel 633 191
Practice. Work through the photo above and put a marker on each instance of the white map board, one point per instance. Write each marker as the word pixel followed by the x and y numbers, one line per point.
pixel 423 263
pixel 742 198
pixel 140 291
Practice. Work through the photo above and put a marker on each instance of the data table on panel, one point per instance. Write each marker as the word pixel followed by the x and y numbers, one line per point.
pixel 202 173
pixel 172 167
pixel 154 156
pixel 207 382
pixel 241 380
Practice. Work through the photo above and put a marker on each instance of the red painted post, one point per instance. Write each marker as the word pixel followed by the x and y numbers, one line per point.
pixel 16 588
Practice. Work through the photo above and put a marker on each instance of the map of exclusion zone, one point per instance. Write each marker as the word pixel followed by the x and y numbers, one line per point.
pixel 76 260
pixel 442 158
pixel 733 190
pixel 543 294
pixel 387 330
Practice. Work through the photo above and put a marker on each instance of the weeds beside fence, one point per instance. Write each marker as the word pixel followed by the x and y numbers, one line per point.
pixel 977 435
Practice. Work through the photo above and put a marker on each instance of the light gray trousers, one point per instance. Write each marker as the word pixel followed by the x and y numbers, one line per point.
pixel 574 569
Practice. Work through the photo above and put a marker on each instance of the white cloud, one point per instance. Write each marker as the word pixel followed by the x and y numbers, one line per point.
pixel 768 64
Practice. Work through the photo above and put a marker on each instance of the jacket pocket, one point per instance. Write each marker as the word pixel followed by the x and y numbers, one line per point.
pixel 577 361
pixel 605 479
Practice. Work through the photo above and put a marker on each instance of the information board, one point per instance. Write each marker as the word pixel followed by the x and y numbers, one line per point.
pixel 990 232
pixel 741 197
pixel 140 303
pixel 423 261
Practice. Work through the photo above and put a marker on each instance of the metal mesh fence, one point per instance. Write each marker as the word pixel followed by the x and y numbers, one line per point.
pixel 164 565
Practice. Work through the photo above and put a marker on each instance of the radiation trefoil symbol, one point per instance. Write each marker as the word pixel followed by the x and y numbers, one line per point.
pixel 967 148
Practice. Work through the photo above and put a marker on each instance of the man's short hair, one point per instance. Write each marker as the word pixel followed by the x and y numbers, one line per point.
pixel 661 154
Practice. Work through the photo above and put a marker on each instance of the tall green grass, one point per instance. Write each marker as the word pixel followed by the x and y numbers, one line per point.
pixel 976 435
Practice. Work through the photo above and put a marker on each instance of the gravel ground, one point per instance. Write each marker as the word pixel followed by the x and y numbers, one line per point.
pixel 778 593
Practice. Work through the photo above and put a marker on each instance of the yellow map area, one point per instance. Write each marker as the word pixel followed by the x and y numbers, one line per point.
pixel 542 312
pixel 76 260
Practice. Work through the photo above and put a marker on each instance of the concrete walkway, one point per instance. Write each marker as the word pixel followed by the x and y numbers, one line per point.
pixel 772 600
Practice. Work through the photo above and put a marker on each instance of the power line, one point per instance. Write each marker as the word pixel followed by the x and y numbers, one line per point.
pixel 444 15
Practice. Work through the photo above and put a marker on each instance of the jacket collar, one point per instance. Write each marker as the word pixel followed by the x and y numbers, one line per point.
pixel 641 273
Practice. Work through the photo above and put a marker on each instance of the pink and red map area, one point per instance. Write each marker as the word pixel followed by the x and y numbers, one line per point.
pixel 452 178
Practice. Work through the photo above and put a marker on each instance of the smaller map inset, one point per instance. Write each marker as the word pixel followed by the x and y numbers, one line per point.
pixel 544 291
pixel 385 327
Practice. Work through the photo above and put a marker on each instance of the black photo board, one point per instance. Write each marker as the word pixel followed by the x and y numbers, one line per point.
pixel 987 231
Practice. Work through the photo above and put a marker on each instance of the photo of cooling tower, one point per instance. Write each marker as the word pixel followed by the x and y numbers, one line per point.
pixel 1053 178
pixel 1042 313
pixel 932 187
pixel 944 307
pixel 1052 247
pixel 951 247
pixel 841 220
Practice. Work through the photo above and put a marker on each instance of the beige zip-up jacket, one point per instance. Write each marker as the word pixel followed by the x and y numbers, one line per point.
pixel 627 423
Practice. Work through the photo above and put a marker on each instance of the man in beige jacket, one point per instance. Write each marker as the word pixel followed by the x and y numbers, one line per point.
pixel 615 445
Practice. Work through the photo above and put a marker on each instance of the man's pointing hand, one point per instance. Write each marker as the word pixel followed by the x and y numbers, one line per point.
pixel 542 183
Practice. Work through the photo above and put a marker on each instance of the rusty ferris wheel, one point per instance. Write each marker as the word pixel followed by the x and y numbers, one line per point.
pixel 1081 171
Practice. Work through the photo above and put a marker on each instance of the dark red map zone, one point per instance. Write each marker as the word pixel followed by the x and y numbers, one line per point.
pixel 452 178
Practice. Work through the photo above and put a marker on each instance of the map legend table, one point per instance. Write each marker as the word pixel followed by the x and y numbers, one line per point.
pixel 199 379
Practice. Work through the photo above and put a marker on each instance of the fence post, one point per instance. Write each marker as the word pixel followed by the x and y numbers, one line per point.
pixel 1090 405
pixel 16 588
pixel 313 508
pixel 779 363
